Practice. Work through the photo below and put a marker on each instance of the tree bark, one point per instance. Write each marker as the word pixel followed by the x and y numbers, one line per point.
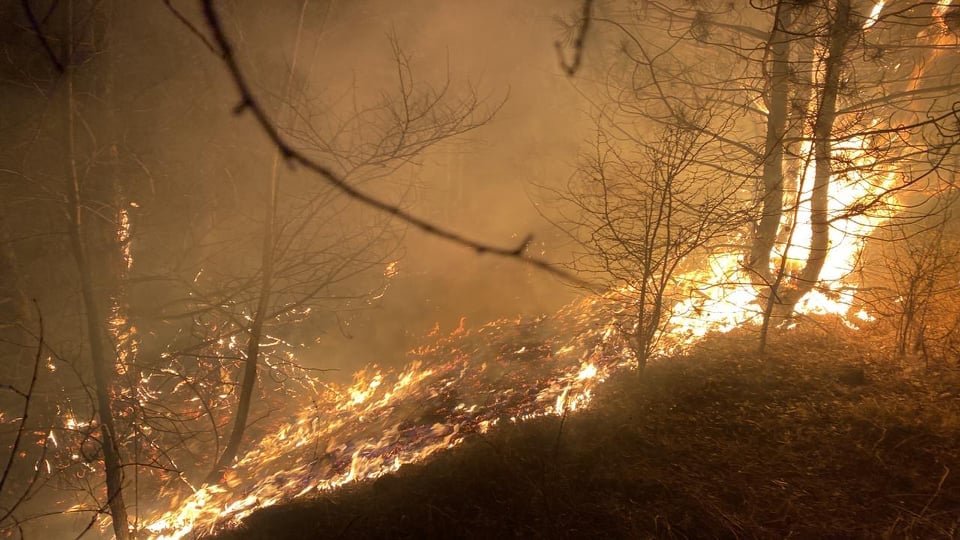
pixel 101 361
pixel 248 382
pixel 840 32
pixel 765 235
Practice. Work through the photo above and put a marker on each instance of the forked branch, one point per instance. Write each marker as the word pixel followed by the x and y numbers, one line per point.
pixel 249 102
pixel 571 68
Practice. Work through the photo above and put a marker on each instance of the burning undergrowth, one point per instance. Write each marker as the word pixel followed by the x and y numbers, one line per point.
pixel 821 438
pixel 465 383
pixel 470 381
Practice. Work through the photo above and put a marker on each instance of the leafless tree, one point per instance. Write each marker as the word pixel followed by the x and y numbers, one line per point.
pixel 642 207
pixel 826 95
pixel 313 239
pixel 152 387
pixel 102 358
pixel 911 281
pixel 14 495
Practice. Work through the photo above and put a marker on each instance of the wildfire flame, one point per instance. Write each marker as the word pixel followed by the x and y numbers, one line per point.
pixel 464 384
pixel 385 420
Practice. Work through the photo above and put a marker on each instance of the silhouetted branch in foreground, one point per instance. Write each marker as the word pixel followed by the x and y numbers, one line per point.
pixel 248 102
pixel 35 24
pixel 27 396
pixel 574 65
pixel 190 26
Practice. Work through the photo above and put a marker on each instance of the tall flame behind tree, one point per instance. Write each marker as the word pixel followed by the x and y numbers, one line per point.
pixel 645 211
pixel 827 70
pixel 850 194
pixel 877 154
pixel 826 82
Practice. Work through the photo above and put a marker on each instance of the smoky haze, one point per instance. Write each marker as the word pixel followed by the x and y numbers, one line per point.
pixel 200 199
pixel 196 174
pixel 481 183
pixel 139 137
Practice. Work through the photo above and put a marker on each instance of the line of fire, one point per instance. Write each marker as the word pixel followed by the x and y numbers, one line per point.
pixel 479 269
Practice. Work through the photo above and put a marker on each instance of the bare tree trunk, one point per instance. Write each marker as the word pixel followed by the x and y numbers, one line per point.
pixel 783 303
pixel 822 151
pixel 905 328
pixel 840 32
pixel 101 361
pixel 248 382
pixel 647 325
pixel 765 235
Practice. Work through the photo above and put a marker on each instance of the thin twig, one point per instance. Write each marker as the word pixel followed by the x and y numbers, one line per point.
pixel 943 478
pixel 190 26
pixel 27 395
pixel 556 443
pixel 35 24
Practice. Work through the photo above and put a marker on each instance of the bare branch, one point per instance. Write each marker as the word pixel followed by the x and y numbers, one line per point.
pixel 190 26
pixel 21 429
pixel 35 24
pixel 248 102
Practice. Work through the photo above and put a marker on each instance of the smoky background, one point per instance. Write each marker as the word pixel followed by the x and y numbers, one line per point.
pixel 485 183
pixel 192 174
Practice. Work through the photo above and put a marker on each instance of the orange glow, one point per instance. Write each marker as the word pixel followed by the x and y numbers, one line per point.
pixel 386 420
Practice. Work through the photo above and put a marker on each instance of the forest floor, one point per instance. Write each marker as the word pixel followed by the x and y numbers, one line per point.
pixel 817 439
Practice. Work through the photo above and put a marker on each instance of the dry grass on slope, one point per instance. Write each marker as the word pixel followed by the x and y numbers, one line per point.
pixel 816 440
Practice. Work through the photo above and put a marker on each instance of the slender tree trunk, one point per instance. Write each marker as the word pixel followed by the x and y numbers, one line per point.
pixel 765 236
pixel 825 117
pixel 906 324
pixel 101 361
pixel 783 302
pixel 249 378
pixel 643 321
pixel 840 33
pixel 647 325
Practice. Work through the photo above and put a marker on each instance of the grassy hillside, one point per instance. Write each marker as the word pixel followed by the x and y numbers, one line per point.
pixel 818 439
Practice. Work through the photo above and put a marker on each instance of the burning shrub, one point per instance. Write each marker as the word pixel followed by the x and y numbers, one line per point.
pixel 912 280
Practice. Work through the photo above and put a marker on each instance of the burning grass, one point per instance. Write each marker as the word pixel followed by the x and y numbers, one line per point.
pixel 504 372
pixel 820 439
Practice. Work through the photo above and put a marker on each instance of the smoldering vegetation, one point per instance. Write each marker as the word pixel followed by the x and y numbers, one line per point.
pixel 127 106
pixel 817 440
pixel 252 252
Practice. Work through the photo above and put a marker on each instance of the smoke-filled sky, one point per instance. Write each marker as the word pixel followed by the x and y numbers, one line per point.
pixel 196 172
pixel 158 257
pixel 483 184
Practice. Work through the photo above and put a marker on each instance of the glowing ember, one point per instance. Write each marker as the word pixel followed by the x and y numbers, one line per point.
pixel 391 270
pixel 474 380
pixel 460 385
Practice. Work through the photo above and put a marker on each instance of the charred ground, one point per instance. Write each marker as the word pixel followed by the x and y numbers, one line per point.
pixel 820 438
